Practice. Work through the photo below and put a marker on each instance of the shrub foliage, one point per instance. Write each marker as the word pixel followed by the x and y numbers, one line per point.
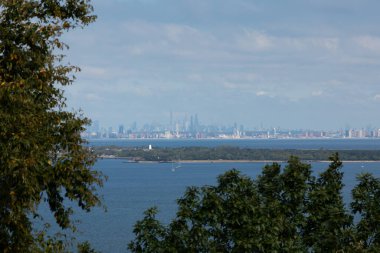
pixel 283 210
pixel 41 154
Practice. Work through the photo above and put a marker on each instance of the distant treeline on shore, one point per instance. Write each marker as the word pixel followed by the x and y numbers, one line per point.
pixel 230 153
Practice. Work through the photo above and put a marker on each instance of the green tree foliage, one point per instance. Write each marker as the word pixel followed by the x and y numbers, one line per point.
pixel 283 210
pixel 41 152
pixel 366 203
pixel 328 220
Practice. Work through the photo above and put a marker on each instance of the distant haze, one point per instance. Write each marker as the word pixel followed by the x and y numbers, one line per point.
pixel 292 64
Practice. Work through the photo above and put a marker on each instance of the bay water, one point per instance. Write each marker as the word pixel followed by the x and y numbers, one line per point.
pixel 134 187
pixel 317 143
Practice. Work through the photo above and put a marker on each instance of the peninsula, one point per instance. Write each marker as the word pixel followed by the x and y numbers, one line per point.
pixel 228 153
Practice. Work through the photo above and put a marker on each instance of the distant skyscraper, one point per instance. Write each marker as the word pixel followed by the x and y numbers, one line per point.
pixel 110 132
pixel 177 130
pixel 171 121
pixel 196 123
pixel 185 125
pixel 134 127
pixel 191 124
pixel 121 130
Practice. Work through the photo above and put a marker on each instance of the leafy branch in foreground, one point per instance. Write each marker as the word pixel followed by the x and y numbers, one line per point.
pixel 41 152
pixel 283 210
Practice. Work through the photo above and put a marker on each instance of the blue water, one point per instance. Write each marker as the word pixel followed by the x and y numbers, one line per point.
pixel 134 187
pixel 247 143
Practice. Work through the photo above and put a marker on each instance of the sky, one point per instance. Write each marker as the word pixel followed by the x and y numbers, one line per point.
pixel 294 64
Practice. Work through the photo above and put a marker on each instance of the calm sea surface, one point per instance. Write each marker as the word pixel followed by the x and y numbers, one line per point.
pixel 247 143
pixel 133 187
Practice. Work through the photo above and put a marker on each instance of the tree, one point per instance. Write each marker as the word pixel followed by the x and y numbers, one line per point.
pixel 41 153
pixel 366 203
pixel 328 220
pixel 283 210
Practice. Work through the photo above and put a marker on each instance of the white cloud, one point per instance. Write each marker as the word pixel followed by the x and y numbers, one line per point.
pixel 240 76
pixel 195 77
pixel 164 38
pixel 371 43
pixel 136 50
pixel 230 85
pixel 310 44
pixel 92 71
pixel 254 41
pixel 262 93
pixel 178 33
pixel 377 97
pixel 317 93
pixel 326 43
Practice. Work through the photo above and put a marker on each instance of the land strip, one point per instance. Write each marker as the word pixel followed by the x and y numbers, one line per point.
pixel 230 154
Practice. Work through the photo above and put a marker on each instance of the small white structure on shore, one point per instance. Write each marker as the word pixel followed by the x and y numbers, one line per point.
pixel 150 147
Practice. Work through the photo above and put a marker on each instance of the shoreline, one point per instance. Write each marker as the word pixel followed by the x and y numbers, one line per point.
pixel 237 161
pixel 230 138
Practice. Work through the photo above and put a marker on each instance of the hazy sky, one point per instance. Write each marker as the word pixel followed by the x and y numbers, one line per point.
pixel 292 64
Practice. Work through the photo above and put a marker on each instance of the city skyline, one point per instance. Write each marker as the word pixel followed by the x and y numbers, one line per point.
pixel 171 119
pixel 294 64
pixel 193 128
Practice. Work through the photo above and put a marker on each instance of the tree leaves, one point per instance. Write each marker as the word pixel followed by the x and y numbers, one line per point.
pixel 41 150
pixel 283 210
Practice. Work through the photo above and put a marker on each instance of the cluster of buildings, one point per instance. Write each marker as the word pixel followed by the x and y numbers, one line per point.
pixel 192 129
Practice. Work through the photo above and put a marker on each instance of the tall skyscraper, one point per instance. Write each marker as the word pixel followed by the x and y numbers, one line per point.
pixel 134 127
pixel 121 130
pixel 191 124
pixel 196 123
pixel 171 128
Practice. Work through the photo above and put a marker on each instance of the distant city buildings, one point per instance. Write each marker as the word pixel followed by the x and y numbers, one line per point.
pixel 223 132
pixel 191 128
